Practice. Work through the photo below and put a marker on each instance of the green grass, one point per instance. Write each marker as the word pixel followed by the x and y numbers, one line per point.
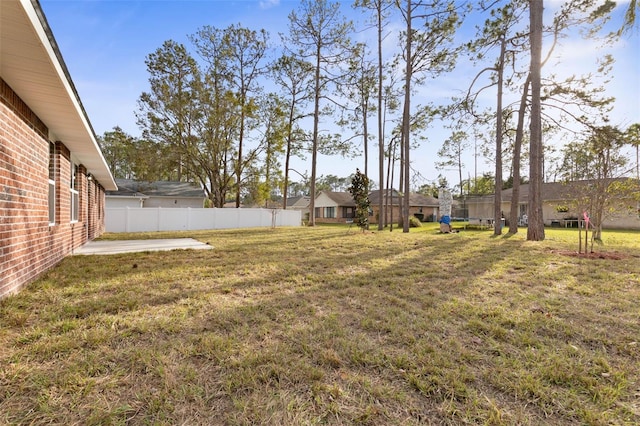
pixel 328 325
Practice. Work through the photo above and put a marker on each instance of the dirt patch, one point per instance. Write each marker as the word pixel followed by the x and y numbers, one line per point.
pixel 593 255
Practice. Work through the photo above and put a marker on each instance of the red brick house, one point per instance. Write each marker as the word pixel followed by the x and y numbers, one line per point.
pixel 334 207
pixel 53 175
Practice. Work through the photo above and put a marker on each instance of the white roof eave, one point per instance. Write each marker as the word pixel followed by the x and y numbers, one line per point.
pixel 31 64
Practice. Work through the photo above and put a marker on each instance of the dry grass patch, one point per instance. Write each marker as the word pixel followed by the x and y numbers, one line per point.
pixel 329 326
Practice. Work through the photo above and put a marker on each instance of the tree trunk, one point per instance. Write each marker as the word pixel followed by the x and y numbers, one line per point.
pixel 406 125
pixel 514 215
pixel 497 205
pixel 380 119
pixel 535 231
pixel 239 165
pixel 366 145
pixel 287 158
pixel 389 186
pixel 314 149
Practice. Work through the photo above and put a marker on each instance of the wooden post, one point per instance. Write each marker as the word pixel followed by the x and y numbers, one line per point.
pixel 586 236
pixel 579 237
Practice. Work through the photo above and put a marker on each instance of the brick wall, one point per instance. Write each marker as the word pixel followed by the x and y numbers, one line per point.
pixel 29 244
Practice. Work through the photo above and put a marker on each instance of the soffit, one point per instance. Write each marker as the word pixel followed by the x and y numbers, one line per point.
pixel 31 65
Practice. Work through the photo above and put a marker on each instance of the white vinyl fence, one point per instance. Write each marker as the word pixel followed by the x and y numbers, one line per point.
pixel 133 219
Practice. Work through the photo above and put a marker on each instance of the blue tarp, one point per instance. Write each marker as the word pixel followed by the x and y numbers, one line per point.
pixel 445 219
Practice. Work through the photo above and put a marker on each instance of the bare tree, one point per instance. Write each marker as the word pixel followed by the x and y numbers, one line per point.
pixel 359 88
pixel 597 168
pixel 294 76
pixel 321 33
pixel 451 152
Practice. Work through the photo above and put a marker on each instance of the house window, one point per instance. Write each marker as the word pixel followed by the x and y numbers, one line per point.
pixel 52 184
pixel 349 212
pixel 75 195
pixel 330 212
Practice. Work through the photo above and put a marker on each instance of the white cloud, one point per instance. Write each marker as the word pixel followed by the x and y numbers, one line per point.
pixel 268 4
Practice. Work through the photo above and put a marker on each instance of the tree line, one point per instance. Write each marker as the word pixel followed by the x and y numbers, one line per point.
pixel 231 110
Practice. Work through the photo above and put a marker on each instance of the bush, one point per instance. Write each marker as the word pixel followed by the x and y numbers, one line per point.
pixel 414 222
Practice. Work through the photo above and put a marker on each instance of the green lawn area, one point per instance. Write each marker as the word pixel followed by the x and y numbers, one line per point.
pixel 328 325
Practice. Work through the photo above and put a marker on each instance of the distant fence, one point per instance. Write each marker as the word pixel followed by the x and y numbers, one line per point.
pixel 133 219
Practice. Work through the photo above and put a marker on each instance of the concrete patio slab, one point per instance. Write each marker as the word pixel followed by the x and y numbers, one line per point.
pixel 130 246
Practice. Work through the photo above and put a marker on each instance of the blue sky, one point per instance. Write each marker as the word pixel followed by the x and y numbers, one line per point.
pixel 105 42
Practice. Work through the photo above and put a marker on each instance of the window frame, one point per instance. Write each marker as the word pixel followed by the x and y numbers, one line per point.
pixel 349 212
pixel 74 194
pixel 52 184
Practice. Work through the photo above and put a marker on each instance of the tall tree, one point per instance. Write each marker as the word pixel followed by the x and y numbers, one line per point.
pixel 630 17
pixel 294 77
pixel 152 161
pixel 217 133
pixel 406 112
pixel 359 87
pixel 321 34
pixel 632 136
pixel 499 34
pixel 119 152
pixel 451 153
pixel 517 151
pixel 247 51
pixel 275 134
pixel 574 99
pixel 480 185
pixel 426 49
pixel 380 9
pixel 535 229
pixel 497 198
pixel 240 54
pixel 168 111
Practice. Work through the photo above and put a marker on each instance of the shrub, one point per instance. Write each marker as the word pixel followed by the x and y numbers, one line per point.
pixel 359 190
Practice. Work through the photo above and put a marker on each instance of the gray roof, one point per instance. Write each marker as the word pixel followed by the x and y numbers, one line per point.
pixel 298 200
pixel 133 188
pixel 415 200
pixel 341 198
pixel 550 191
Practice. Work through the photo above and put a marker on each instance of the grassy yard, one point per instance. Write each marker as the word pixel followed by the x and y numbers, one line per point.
pixel 328 325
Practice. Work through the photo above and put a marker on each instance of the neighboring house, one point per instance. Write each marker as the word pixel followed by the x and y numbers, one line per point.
pixel 558 199
pixel 164 194
pixel 300 203
pixel 423 207
pixel 53 176
pixel 339 207
pixel 334 207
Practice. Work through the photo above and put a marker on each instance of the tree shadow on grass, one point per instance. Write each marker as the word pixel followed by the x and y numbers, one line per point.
pixel 313 326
